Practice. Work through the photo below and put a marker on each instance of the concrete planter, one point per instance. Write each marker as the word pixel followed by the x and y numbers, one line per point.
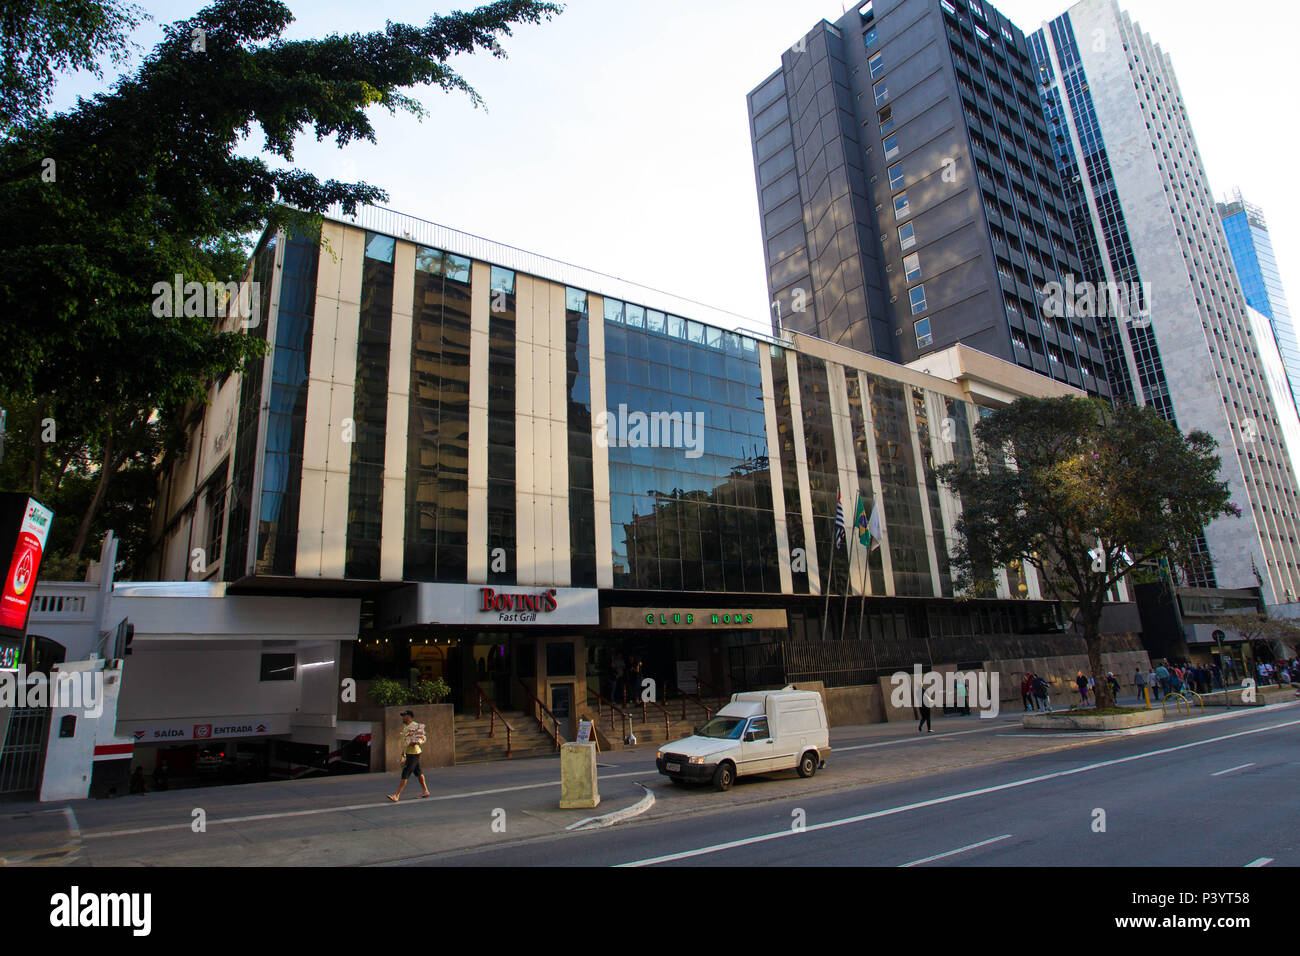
pixel 439 748
pixel 1083 721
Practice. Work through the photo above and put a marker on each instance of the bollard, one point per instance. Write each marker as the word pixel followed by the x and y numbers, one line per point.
pixel 578 785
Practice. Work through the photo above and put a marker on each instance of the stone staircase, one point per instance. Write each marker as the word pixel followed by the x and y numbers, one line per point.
pixel 473 745
pixel 651 732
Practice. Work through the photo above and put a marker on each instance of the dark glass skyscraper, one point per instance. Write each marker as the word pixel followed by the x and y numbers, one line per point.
pixel 909 197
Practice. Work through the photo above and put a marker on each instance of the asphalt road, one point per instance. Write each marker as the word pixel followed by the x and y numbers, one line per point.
pixel 1218 794
pixel 978 792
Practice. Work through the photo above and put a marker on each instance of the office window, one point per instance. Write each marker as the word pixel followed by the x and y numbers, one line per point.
pixel 923 336
pixel 917 296
pixel 912 266
pixel 278 667
pixel 891 147
pixel 901 209
pixel 881 90
pixel 877 64
pixel 870 38
pixel 907 236
pixel 896 178
pixel 886 117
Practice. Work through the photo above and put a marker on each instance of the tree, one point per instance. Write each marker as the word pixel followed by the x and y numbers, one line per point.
pixel 1271 634
pixel 1082 492
pixel 146 182
pixel 40 37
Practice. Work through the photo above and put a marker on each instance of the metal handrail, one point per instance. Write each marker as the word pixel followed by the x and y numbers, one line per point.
pixel 668 722
pixel 1180 699
pixel 708 711
pixel 714 690
pixel 555 731
pixel 492 720
pixel 613 709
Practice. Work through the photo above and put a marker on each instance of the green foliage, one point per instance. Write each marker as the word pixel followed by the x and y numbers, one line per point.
pixel 146 181
pixel 429 692
pixel 1058 483
pixel 40 37
pixel 385 692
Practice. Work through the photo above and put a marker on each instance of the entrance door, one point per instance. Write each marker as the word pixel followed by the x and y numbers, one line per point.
pixel 22 755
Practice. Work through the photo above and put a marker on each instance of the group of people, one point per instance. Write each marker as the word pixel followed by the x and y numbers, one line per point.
pixel 624 677
pixel 1170 678
pixel 1284 672
pixel 1035 692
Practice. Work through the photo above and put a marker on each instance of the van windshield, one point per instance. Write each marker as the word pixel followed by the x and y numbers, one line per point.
pixel 725 728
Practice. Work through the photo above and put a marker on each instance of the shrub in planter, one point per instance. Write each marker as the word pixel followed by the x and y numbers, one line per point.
pixel 385 692
pixel 428 692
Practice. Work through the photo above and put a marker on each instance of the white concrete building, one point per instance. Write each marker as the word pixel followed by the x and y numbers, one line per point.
pixel 1144 217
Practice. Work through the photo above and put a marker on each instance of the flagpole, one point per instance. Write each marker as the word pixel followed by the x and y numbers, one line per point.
pixel 848 585
pixel 866 579
pixel 829 575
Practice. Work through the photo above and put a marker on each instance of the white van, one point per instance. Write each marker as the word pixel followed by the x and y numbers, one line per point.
pixel 758 732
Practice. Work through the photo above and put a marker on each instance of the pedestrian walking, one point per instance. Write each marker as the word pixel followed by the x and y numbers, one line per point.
pixel 413 738
pixel 1082 683
pixel 923 705
pixel 1027 691
pixel 1113 681
pixel 1140 682
pixel 1041 694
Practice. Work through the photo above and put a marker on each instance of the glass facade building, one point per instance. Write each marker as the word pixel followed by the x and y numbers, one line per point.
pixel 543 470
pixel 1252 254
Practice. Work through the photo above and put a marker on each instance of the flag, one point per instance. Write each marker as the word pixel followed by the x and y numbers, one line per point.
pixel 861 524
pixel 873 528
pixel 839 520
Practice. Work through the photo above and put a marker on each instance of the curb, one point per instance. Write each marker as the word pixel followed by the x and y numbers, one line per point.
pixel 618 816
pixel 1164 725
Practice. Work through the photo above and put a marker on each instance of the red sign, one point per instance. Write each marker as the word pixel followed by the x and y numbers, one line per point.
pixel 544 602
pixel 20 582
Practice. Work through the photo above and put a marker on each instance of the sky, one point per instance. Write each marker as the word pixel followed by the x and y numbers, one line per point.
pixel 616 137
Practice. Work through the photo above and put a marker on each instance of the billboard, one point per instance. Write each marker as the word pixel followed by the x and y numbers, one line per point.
pixel 24 528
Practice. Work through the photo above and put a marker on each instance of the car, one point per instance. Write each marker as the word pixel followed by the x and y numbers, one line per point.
pixel 757 732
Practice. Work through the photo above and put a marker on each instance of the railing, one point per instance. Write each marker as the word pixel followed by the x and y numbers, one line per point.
pixel 613 709
pixel 492 720
pixel 1181 698
pixel 539 710
pixel 714 690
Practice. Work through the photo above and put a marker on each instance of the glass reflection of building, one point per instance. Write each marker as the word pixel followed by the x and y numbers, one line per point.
pixel 440 410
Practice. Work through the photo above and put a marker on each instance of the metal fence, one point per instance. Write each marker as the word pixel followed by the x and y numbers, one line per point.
pixel 22 759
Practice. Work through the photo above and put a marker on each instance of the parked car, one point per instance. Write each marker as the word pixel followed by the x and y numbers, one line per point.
pixel 756 733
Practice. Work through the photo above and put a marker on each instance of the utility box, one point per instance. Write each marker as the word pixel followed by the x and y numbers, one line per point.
pixel 578 777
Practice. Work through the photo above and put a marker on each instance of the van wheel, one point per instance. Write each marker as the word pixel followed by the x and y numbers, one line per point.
pixel 808 764
pixel 724 776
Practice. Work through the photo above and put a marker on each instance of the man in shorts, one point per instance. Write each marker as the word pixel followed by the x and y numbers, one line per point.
pixel 412 738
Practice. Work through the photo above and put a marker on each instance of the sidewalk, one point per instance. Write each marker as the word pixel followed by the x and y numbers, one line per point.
pixel 347 820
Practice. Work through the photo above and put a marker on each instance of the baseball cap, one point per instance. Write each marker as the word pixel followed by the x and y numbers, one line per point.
pixel 407 713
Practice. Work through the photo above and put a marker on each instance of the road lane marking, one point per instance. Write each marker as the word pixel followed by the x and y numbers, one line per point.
pixel 963 849
pixel 938 801
pixel 1262 861
pixel 286 814
pixel 910 740
pixel 1231 769
pixel 253 818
